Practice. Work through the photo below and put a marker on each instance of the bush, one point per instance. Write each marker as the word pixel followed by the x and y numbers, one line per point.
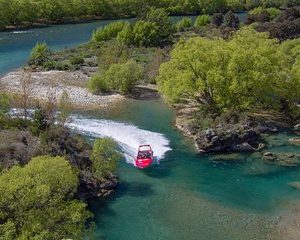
pixel 260 14
pixel 202 21
pixel 126 35
pixel 108 32
pixel 39 54
pixel 104 157
pixel 56 65
pixel 146 34
pixel 160 17
pixel 76 60
pixel 119 77
pixel 184 24
pixel 98 84
pixel 4 103
pixel 36 201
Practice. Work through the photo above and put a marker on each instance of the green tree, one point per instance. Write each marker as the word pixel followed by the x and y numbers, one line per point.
pixel 248 71
pixel 184 24
pixel 119 77
pixel 146 34
pixel 160 18
pixel 202 21
pixel 39 54
pixel 126 35
pixel 109 31
pixel 36 201
pixel 104 157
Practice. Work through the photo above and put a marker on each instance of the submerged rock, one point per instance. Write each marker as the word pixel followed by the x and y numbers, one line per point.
pixel 295 141
pixel 282 159
pixel 295 185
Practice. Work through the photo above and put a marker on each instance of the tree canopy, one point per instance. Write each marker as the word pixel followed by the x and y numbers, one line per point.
pixel 104 157
pixel 250 70
pixel 36 201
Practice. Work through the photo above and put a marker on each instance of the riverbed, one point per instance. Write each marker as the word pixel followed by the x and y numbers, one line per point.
pixel 184 195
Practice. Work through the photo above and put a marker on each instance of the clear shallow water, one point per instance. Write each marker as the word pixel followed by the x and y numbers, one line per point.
pixel 188 196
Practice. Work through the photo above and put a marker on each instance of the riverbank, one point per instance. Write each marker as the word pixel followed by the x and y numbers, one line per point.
pixel 238 132
pixel 52 84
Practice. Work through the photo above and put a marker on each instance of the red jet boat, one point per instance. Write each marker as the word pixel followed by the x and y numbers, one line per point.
pixel 144 157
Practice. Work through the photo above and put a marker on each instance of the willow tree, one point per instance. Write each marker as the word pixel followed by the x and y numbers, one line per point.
pixel 37 201
pixel 250 70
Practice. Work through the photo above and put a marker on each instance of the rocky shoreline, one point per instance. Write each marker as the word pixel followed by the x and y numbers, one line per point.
pixel 246 135
pixel 18 147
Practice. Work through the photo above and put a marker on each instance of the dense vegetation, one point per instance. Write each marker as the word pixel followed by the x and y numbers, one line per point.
pixel 15 12
pixel 37 201
pixel 246 72
pixel 46 172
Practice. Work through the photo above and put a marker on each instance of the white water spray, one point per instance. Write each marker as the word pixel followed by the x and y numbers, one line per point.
pixel 129 137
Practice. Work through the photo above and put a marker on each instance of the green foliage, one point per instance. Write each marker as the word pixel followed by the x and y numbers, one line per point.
pixel 56 65
pixel 248 71
pixel 76 60
pixel 119 77
pixel 161 19
pixel 104 157
pixel 126 35
pixel 109 31
pixel 146 34
pixel 184 24
pixel 4 103
pixel 39 54
pixel 273 12
pixel 202 21
pixel 15 12
pixel 36 201
pixel 40 120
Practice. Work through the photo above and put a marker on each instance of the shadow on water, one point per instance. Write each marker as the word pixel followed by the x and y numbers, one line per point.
pixel 157 171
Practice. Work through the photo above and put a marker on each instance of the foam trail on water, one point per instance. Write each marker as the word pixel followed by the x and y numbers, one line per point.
pixel 129 137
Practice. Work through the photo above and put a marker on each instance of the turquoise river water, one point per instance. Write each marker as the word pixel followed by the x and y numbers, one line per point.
pixel 184 195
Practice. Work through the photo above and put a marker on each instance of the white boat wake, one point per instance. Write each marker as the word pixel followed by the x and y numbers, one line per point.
pixel 128 137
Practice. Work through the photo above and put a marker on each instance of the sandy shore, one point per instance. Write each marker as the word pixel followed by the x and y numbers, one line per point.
pixel 51 84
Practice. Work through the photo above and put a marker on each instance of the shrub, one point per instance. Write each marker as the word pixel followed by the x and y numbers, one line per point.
pixel 126 35
pixel 146 34
pixel 76 60
pixel 183 24
pixel 4 103
pixel 36 201
pixel 39 54
pixel 119 77
pixel 160 17
pixel 98 84
pixel 56 65
pixel 108 32
pixel 104 157
pixel 202 21
pixel 274 12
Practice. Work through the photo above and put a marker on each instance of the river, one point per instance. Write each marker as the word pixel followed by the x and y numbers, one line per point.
pixel 185 195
